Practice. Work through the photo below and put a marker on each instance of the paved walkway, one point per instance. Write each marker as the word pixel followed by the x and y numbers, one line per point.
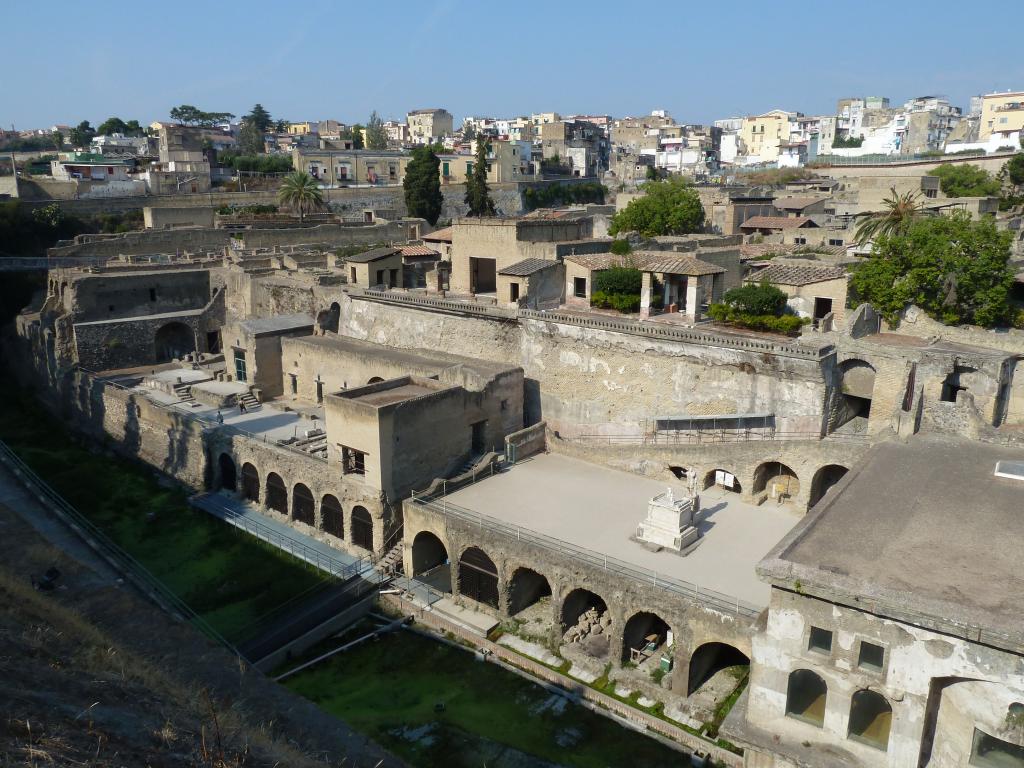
pixel 247 517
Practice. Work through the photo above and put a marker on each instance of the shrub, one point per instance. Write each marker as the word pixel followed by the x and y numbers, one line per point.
pixel 621 247
pixel 1018 319
pixel 621 302
pixel 619 279
pixel 787 324
pixel 756 299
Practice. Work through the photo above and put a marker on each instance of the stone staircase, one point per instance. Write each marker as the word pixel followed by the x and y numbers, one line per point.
pixel 250 401
pixel 390 565
pixel 184 393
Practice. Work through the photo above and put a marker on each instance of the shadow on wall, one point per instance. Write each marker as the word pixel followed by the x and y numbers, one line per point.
pixel 533 411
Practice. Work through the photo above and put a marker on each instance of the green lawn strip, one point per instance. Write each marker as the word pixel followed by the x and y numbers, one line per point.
pixel 394 684
pixel 227 577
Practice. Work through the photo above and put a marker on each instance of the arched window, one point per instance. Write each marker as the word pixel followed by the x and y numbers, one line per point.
pixel 302 504
pixel 805 697
pixel 870 719
pixel 331 517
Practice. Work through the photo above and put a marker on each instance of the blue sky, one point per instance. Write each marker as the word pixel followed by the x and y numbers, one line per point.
pixel 316 59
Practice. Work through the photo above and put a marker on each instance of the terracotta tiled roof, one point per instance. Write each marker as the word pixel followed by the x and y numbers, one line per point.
pixel 527 267
pixel 439 235
pixel 596 261
pixel 683 265
pixel 792 274
pixel 418 250
pixel 795 203
pixel 372 255
pixel 776 222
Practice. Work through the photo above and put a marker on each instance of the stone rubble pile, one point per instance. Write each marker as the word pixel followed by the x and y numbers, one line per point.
pixel 592 622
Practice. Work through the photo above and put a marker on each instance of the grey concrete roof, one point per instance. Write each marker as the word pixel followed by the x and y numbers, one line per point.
pixel 277 324
pixel 373 255
pixel 777 222
pixel 527 267
pixel 922 532
pixel 794 274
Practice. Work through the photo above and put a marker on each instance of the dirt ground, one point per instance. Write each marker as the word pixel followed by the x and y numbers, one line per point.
pixel 93 674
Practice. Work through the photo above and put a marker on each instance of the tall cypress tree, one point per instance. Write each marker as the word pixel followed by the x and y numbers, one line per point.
pixel 478 196
pixel 422 185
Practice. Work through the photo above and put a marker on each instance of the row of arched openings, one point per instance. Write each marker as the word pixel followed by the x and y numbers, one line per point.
pixel 777 478
pixel 870 712
pixel 303 504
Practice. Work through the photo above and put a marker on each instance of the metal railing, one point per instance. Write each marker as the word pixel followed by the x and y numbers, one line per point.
pixel 294 547
pixel 206 423
pixel 107 548
pixel 716 600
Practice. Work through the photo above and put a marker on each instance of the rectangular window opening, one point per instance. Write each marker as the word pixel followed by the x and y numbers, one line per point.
pixel 820 640
pixel 871 656
pixel 353 462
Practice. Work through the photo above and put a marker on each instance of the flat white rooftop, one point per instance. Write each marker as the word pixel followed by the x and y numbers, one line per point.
pixel 598 509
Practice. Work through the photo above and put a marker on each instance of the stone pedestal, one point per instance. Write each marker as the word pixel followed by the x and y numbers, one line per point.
pixel 670 522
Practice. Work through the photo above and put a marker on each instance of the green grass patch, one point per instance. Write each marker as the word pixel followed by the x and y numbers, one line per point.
pixel 224 575
pixel 434 705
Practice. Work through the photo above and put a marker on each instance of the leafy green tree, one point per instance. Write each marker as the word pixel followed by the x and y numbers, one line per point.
pixel 58 140
pixel 1015 169
pixel 132 128
pixel 260 118
pixel 357 136
pixel 190 115
pixel 82 134
pixel 281 126
pixel 620 247
pixel 422 185
pixel 955 269
pixel 651 173
pixel 478 195
pixel 468 132
pixel 300 193
pixel 250 139
pixel 670 207
pixel 964 180
pixel 112 125
pixel 898 211
pixel 376 135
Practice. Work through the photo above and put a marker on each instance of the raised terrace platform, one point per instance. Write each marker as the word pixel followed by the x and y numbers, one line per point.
pixel 598 509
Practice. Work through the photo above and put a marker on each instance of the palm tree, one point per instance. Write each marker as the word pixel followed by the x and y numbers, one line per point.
pixel 897 214
pixel 300 193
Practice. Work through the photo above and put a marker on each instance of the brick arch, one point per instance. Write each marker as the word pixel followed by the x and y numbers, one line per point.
pixel 332 516
pixel 478 576
pixel 303 504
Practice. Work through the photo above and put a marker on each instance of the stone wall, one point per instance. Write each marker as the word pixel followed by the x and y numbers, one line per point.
pixel 693 623
pixel 591 381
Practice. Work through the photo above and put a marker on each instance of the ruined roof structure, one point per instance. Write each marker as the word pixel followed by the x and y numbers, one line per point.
pixel 919 532
pixel 795 274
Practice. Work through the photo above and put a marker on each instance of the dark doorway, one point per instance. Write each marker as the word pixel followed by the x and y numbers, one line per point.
pixel 227 473
pixel 479 438
pixel 362 528
pixel 513 292
pixel 645 634
pixel 213 342
pixel 824 479
pixel 430 561
pixel 482 275
pixel 822 307
pixel 303 504
pixel 710 659
pixel 478 577
pixel 332 519
pixel 277 494
pixel 527 588
pixel 172 341
pixel 250 482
